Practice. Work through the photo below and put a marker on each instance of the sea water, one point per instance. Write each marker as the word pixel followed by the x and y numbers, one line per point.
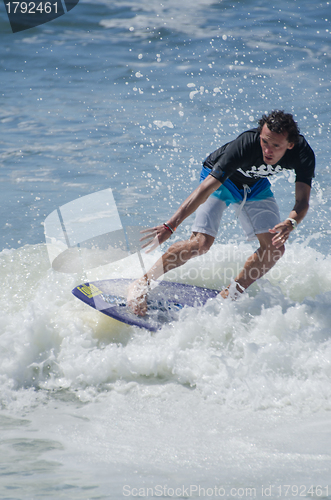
pixel 234 399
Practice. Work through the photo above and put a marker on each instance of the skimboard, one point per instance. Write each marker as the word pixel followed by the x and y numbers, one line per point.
pixel 164 300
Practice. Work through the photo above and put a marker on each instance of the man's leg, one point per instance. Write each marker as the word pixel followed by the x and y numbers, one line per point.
pixel 258 264
pixel 178 254
pixel 207 221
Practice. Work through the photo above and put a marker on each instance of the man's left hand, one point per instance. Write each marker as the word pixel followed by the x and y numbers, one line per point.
pixel 281 232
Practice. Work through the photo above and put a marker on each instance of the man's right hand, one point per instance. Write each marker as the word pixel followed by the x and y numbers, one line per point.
pixel 155 236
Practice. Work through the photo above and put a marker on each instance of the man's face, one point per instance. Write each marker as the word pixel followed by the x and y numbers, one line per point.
pixel 273 145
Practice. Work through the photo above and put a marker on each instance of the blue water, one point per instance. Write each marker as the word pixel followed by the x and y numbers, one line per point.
pixel 133 95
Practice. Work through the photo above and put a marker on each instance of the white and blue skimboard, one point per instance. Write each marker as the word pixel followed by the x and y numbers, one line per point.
pixel 164 301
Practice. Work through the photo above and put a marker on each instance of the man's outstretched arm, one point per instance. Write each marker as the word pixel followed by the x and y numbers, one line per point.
pixel 159 234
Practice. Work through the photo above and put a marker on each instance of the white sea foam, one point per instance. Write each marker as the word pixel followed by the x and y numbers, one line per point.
pixel 245 375
pixel 185 17
pixel 269 349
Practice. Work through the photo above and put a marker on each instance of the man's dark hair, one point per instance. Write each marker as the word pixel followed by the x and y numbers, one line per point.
pixel 281 122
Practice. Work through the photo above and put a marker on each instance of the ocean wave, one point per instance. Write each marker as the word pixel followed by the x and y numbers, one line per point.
pixel 270 349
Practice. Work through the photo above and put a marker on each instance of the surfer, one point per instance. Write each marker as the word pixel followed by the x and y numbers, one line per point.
pixel 237 173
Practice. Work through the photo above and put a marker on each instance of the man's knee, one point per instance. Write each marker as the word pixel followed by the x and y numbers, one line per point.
pixel 268 250
pixel 271 253
pixel 277 253
pixel 281 251
pixel 201 243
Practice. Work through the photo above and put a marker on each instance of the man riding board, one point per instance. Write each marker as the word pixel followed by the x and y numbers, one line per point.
pixel 237 173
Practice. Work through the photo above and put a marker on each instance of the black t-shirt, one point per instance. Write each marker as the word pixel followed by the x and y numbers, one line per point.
pixel 241 160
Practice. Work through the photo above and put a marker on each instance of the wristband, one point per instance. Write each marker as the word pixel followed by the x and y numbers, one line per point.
pixel 293 222
pixel 169 227
pixel 173 228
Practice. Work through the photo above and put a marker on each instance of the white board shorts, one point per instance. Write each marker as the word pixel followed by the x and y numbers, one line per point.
pixel 255 216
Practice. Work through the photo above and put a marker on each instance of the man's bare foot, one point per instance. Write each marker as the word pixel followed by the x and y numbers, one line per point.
pixel 137 296
pixel 233 291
